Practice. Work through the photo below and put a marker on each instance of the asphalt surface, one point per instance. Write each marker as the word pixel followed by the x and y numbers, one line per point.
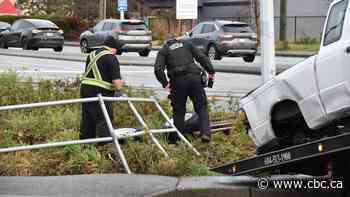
pixel 136 71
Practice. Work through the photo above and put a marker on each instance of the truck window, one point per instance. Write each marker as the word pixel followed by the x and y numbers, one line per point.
pixel 335 23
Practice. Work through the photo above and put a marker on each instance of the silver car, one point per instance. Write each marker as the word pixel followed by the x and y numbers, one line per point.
pixel 134 33
pixel 224 38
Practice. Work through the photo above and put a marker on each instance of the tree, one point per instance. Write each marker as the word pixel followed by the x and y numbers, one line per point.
pixel 32 7
pixel 46 7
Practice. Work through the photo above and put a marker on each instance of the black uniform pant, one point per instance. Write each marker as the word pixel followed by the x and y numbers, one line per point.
pixel 181 88
pixel 93 123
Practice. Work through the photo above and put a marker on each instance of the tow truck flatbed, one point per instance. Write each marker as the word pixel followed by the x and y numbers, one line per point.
pixel 326 146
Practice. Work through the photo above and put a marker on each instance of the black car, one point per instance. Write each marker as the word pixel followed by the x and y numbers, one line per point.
pixel 32 34
pixel 224 38
pixel 4 26
pixel 134 33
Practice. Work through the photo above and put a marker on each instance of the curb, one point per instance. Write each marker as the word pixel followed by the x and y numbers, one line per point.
pixel 122 185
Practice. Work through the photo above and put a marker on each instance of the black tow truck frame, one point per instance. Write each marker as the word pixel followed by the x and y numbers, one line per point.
pixel 329 148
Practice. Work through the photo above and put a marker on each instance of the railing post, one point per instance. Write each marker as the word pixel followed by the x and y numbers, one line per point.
pixel 113 134
pixel 144 125
pixel 172 124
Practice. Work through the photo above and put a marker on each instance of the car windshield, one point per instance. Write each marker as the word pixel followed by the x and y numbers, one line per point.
pixel 4 25
pixel 237 28
pixel 133 26
pixel 43 24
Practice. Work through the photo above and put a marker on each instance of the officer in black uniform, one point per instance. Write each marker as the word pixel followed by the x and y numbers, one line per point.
pixel 102 76
pixel 177 56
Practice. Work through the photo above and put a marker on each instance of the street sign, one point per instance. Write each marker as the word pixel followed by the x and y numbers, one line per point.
pixel 186 9
pixel 122 5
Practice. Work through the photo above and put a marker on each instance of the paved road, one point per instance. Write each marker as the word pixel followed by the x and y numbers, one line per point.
pixel 140 76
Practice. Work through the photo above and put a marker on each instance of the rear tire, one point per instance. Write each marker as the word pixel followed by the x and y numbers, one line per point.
pixel 249 58
pixel 58 49
pixel 84 46
pixel 35 48
pixel 3 45
pixel 144 53
pixel 25 44
pixel 213 53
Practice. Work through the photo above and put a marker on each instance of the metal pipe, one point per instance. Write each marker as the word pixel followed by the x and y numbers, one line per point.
pixel 267 40
pixel 115 138
pixel 140 133
pixel 55 144
pixel 172 124
pixel 50 103
pixel 143 123
pixel 127 99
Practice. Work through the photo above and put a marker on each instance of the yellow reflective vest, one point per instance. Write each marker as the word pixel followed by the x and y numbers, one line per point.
pixel 97 79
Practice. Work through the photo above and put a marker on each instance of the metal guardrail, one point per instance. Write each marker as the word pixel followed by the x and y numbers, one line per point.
pixel 115 133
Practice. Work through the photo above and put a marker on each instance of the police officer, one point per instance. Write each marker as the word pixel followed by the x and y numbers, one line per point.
pixel 102 76
pixel 177 56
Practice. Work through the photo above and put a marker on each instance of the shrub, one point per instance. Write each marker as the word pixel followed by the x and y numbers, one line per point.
pixel 53 124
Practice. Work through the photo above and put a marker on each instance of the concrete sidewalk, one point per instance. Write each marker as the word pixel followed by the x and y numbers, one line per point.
pixel 300 54
pixel 142 185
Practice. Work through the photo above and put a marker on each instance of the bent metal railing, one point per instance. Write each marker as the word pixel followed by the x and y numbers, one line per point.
pixel 116 134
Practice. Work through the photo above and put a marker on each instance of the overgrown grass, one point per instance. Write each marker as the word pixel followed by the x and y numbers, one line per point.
pixel 298 46
pixel 52 124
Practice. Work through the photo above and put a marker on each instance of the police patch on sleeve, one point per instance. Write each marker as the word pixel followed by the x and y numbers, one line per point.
pixel 176 46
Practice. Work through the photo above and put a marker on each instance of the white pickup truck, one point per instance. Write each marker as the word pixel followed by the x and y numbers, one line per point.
pixel 310 100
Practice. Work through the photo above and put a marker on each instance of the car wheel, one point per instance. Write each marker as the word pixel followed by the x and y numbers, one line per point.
pixel 249 58
pixel 58 49
pixel 84 46
pixel 35 48
pixel 25 44
pixel 144 53
pixel 3 45
pixel 213 53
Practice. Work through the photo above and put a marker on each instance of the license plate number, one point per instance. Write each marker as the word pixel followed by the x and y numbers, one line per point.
pixel 49 34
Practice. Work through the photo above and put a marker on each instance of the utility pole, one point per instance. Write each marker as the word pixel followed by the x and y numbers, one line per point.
pixel 283 23
pixel 267 39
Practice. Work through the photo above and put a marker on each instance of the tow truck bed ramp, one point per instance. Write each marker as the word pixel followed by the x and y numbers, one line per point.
pixel 325 146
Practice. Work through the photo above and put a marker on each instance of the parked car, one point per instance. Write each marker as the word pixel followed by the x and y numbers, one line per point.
pixel 4 26
pixel 309 101
pixel 224 38
pixel 33 34
pixel 134 33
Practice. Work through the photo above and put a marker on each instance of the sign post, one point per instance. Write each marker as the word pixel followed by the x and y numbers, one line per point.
pixel 267 40
pixel 122 8
pixel 186 9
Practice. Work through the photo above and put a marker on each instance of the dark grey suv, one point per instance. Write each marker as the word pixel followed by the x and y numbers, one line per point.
pixel 224 38
pixel 4 26
pixel 32 34
pixel 134 33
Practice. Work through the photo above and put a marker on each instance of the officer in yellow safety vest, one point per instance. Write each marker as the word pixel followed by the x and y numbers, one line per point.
pixel 102 76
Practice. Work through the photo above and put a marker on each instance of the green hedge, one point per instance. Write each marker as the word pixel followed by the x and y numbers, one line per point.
pixel 70 25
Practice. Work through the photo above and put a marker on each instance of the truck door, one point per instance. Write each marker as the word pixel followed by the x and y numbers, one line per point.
pixel 333 61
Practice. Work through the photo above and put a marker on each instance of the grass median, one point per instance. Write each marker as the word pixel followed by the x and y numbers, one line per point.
pixel 53 124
